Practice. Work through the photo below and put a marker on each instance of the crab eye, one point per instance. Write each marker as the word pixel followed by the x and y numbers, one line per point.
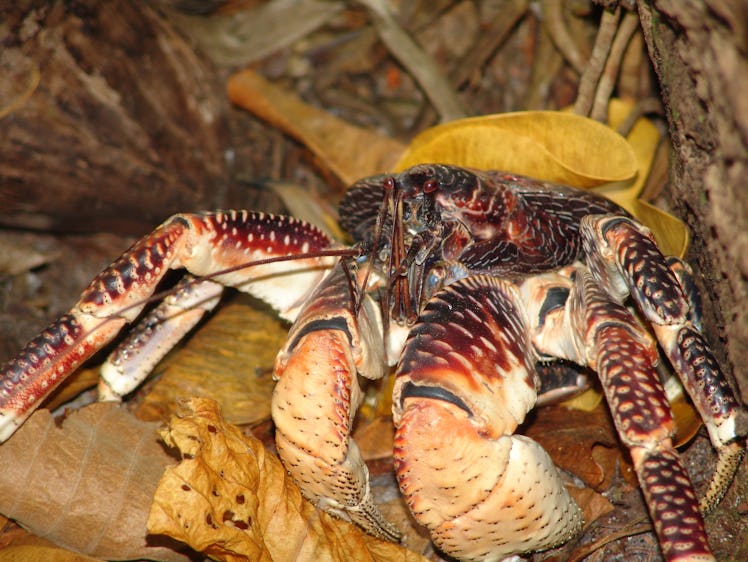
pixel 389 183
pixel 431 185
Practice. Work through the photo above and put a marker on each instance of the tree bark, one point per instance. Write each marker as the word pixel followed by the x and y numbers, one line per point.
pixel 111 122
pixel 699 50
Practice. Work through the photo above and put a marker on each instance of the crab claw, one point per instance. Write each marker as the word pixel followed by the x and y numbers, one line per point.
pixel 464 383
pixel 316 398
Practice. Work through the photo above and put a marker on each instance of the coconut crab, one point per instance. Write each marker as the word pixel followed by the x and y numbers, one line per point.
pixel 464 280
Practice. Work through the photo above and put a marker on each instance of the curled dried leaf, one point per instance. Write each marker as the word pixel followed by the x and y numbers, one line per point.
pixel 232 500
pixel 550 145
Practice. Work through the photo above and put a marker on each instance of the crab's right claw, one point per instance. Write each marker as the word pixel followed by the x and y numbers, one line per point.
pixel 316 398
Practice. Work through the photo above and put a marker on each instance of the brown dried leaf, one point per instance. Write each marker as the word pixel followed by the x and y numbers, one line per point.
pixel 248 35
pixel 20 252
pixel 34 552
pixel 419 64
pixel 87 485
pixel 593 504
pixel 583 443
pixel 376 438
pixel 232 500
pixel 230 359
pixel 350 152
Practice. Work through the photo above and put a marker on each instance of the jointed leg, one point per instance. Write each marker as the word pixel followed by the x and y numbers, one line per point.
pixel 203 244
pixel 623 254
pixel 625 357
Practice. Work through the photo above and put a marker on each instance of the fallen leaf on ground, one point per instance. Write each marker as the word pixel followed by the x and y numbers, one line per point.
pixel 350 152
pixel 87 485
pixel 34 552
pixel 232 500
pixel 549 145
pixel 230 359
pixel 593 504
pixel 583 443
pixel 418 62
pixel 21 252
pixel 252 33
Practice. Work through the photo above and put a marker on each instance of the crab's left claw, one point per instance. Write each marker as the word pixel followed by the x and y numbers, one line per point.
pixel 464 383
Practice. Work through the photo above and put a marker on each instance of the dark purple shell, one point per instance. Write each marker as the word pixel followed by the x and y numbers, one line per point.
pixel 512 224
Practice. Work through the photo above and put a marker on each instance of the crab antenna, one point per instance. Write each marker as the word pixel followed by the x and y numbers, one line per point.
pixel 401 292
pixel 390 187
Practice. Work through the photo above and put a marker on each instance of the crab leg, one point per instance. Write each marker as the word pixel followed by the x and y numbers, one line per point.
pixel 625 260
pixel 203 244
pixel 464 383
pixel 614 344
pixel 317 395
pixel 154 335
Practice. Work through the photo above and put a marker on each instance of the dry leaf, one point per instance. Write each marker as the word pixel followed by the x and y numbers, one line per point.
pixel 34 552
pixel 418 63
pixel 20 252
pixel 350 152
pixel 87 485
pixel 248 35
pixel 232 500
pixel 593 504
pixel 549 145
pixel 230 359
pixel 583 443
pixel 375 439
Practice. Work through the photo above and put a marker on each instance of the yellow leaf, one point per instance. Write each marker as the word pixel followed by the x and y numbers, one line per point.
pixel 232 500
pixel 230 359
pixel 549 145
pixel 671 233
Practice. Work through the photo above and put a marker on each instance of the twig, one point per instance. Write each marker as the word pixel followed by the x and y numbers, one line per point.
pixel 23 97
pixel 555 25
pixel 629 25
pixel 633 79
pixel 596 64
pixel 635 527
pixel 488 41
pixel 416 61
pixel 548 62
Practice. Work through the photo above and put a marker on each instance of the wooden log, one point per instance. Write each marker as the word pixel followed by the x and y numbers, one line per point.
pixel 109 120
